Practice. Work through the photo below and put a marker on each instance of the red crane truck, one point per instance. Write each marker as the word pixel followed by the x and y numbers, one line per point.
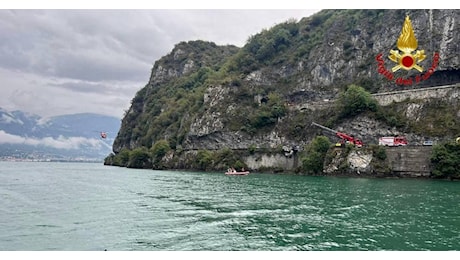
pixel 349 139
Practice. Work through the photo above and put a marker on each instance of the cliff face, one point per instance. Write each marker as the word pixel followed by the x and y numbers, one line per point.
pixel 266 94
pixel 153 112
pixel 334 48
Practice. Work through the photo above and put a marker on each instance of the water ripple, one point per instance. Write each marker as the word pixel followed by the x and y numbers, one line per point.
pixel 93 207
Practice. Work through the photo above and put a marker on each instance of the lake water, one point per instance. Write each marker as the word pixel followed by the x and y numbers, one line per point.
pixel 87 206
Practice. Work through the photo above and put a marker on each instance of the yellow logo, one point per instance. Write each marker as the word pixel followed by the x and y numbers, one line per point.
pixel 407 43
pixel 406 57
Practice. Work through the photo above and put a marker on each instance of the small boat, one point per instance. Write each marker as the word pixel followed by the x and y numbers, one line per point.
pixel 236 173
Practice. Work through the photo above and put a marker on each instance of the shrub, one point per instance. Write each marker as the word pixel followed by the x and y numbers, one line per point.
pixel 122 158
pixel 109 159
pixel 354 101
pixel 379 152
pixel 159 149
pixel 316 153
pixel 313 163
pixel 252 149
pixel 139 158
pixel 446 160
pixel 204 159
pixel 239 165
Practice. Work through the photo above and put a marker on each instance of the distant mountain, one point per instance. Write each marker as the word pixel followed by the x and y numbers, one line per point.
pixel 24 135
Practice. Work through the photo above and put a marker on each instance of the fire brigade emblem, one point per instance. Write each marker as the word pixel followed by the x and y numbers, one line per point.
pixel 407 44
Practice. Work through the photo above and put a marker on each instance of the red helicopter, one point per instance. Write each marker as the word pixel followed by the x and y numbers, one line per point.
pixel 103 135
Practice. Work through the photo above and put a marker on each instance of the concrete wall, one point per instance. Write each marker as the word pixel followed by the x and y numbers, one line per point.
pixel 450 92
pixel 410 161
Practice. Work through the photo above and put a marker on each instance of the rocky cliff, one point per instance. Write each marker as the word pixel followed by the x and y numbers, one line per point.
pixel 262 98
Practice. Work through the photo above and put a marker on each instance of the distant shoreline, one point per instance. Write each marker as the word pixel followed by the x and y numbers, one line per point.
pixel 51 160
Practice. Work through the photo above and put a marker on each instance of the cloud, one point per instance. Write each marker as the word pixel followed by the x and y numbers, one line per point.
pixel 116 44
pixel 55 62
pixel 48 96
pixel 70 43
pixel 8 118
pixel 61 142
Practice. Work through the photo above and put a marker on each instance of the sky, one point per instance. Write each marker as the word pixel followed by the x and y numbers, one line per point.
pixel 60 59
pixel 55 62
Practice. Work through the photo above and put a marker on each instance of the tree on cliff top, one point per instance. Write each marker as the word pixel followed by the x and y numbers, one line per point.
pixel 356 100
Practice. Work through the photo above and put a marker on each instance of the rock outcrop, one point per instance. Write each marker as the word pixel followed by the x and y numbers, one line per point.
pixel 406 161
pixel 265 95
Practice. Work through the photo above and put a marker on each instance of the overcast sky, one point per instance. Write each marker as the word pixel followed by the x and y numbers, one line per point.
pixel 55 62
pixel 85 59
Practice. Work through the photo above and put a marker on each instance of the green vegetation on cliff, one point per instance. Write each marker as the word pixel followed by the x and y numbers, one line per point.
pixel 446 160
pixel 165 110
pixel 316 151
pixel 209 107
pixel 354 101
